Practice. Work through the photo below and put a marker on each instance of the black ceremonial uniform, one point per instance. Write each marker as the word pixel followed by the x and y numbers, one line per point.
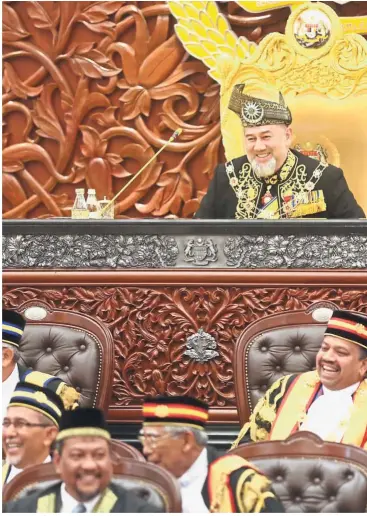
pixel 303 187
pixel 114 499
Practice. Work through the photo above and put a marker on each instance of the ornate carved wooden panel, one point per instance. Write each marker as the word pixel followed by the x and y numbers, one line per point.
pixel 93 89
pixel 151 322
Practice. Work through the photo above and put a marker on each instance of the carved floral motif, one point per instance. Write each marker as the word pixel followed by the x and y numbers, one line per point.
pixel 93 89
pixel 150 327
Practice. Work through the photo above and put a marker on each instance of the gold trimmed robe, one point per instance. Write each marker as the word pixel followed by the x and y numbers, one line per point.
pixel 284 406
pixel 236 192
pixel 233 485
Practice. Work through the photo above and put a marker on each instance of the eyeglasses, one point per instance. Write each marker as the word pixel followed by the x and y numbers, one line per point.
pixel 152 439
pixel 19 424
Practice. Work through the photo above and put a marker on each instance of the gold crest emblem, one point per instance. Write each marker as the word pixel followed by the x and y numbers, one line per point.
pixel 361 330
pixel 312 28
pixel 161 411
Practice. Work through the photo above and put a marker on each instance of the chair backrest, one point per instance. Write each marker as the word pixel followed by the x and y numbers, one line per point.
pixel 73 346
pixel 273 347
pixel 121 451
pixel 310 475
pixel 150 482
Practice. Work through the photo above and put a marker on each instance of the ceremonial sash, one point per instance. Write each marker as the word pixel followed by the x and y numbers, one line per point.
pixel 297 400
pixel 47 503
pixel 221 497
pixel 5 472
pixel 294 405
pixel 356 431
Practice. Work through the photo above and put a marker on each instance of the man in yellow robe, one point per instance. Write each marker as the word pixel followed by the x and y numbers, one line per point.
pixel 330 402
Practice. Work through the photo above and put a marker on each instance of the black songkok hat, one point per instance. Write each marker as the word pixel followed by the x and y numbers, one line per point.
pixel 38 398
pixel 13 327
pixel 348 326
pixel 254 111
pixel 83 422
pixel 175 410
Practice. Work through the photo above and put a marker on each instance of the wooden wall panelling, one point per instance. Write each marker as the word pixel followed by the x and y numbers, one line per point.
pixel 92 89
pixel 152 313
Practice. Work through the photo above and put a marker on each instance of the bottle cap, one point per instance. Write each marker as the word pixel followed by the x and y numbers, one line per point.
pixel 91 191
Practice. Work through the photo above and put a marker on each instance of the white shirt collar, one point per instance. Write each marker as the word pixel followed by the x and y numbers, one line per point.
pixel 68 502
pixel 14 471
pixel 191 485
pixel 196 470
pixel 8 388
pixel 347 391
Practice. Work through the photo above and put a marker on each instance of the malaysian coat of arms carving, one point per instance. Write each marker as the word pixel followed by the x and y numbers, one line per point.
pixel 319 65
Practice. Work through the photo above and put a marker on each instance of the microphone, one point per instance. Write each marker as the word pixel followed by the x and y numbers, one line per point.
pixel 172 138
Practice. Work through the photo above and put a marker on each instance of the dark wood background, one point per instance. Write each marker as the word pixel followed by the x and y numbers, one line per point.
pixel 151 314
pixel 91 90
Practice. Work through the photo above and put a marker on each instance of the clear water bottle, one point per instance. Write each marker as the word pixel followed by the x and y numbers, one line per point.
pixel 92 204
pixel 79 210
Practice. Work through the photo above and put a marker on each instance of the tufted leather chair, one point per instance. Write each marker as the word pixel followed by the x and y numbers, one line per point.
pixel 121 451
pixel 151 482
pixel 273 347
pixel 72 346
pixel 310 475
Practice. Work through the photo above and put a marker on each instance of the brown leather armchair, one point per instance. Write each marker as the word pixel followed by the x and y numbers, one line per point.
pixel 73 346
pixel 310 475
pixel 273 347
pixel 156 485
pixel 121 451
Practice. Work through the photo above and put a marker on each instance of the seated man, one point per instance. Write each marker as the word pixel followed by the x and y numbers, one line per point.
pixel 273 181
pixel 82 458
pixel 29 428
pixel 173 437
pixel 13 325
pixel 330 402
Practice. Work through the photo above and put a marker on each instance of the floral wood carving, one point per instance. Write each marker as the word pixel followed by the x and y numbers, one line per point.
pixel 150 327
pixel 91 90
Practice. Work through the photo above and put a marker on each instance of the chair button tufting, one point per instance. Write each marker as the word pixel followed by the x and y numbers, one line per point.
pixel 279 478
pixel 264 348
pixel 297 348
pixel 331 498
pixel 78 389
pixel 66 369
pixel 298 499
pixel 278 368
pixel 316 480
pixel 264 388
pixel 82 347
pixel 349 476
pixel 48 350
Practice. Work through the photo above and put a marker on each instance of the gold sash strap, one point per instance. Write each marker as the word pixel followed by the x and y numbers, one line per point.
pixel 6 468
pixel 47 503
pixel 252 491
pixel 292 410
pixel 107 502
pixel 356 429
pixel 221 497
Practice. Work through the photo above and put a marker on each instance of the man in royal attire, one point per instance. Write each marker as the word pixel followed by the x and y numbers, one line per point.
pixel 330 402
pixel 273 181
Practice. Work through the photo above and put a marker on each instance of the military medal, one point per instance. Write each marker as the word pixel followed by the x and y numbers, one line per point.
pixel 267 197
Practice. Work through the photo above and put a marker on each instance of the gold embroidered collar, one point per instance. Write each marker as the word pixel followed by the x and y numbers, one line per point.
pixel 283 173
